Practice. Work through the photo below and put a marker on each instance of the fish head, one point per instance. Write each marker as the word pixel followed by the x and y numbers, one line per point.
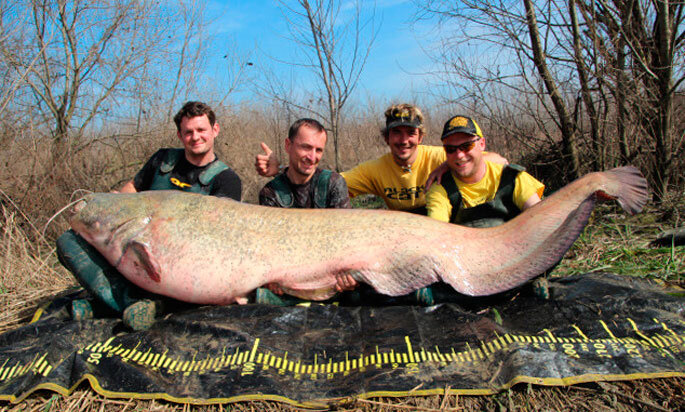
pixel 108 221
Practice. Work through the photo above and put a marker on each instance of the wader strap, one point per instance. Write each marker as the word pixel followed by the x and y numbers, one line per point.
pixel 505 191
pixel 495 212
pixel 171 158
pixel 284 195
pixel 211 172
pixel 321 188
pixel 453 194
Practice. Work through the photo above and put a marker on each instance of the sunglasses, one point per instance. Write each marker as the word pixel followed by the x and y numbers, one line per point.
pixel 464 147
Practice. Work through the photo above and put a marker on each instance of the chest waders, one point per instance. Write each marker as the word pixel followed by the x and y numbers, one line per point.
pixel 162 181
pixel 493 213
pixel 112 292
pixel 285 198
pixel 284 193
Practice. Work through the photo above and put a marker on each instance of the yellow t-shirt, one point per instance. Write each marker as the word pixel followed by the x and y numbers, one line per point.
pixel 401 190
pixel 439 207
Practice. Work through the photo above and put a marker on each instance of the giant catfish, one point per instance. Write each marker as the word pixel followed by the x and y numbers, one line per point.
pixel 209 250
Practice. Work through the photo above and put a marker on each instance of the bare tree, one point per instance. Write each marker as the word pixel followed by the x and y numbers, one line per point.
pixel 335 46
pixel 578 63
pixel 566 124
pixel 648 38
pixel 80 61
pixel 517 60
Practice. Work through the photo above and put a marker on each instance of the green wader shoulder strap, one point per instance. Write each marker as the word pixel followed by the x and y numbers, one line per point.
pixel 495 212
pixel 284 194
pixel 211 172
pixel 171 158
pixel 453 194
pixel 321 188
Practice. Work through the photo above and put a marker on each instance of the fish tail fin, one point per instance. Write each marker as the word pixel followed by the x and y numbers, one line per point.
pixel 538 238
pixel 627 185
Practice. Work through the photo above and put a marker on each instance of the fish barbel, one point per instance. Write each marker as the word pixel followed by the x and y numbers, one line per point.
pixel 209 250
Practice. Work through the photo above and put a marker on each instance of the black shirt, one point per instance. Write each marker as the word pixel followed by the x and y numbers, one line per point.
pixel 303 195
pixel 225 184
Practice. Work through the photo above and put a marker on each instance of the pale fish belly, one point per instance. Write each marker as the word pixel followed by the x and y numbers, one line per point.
pixel 210 250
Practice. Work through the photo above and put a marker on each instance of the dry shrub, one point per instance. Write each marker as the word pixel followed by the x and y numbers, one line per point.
pixel 35 184
pixel 30 272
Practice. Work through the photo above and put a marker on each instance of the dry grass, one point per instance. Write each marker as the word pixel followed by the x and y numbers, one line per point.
pixel 32 191
pixel 647 395
pixel 31 274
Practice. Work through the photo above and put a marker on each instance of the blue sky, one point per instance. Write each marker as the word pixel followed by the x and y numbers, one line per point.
pixel 394 65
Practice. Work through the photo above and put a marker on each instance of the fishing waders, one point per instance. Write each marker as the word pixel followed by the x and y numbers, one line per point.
pixel 112 293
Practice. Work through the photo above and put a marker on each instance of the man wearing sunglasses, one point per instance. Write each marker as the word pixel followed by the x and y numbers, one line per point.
pixel 398 177
pixel 476 192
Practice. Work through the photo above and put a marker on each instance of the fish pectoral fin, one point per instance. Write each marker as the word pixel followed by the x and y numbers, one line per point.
pixel 147 260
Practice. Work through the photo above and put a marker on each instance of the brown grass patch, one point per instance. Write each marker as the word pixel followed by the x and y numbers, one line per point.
pixel 32 191
pixel 628 396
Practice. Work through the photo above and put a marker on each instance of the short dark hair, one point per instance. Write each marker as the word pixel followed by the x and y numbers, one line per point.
pixel 314 124
pixel 194 109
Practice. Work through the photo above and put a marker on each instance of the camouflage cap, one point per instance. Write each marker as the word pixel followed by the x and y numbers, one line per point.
pixel 401 118
pixel 461 124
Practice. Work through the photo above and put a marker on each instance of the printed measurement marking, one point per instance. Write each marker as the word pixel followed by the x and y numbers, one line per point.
pixel 250 360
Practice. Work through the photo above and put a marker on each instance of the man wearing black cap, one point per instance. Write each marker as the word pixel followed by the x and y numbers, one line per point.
pixel 477 192
pixel 397 177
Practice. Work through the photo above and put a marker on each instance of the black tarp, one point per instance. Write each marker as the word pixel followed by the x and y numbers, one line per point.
pixel 596 327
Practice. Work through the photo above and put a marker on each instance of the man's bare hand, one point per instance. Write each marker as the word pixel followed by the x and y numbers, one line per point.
pixel 436 175
pixel 345 282
pixel 128 187
pixel 495 158
pixel 275 288
pixel 266 164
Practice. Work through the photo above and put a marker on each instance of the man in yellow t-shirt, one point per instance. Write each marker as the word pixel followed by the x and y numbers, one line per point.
pixel 398 177
pixel 477 192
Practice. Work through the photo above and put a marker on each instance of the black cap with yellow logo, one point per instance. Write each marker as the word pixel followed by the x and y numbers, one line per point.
pixel 461 124
pixel 401 117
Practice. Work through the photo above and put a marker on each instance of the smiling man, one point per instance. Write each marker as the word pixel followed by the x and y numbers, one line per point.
pixel 302 184
pixel 193 168
pixel 397 177
pixel 477 192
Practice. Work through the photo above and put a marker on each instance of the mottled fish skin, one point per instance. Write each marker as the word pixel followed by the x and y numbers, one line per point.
pixel 209 250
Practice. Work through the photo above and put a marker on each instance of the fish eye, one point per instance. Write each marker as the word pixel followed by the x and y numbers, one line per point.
pixel 80 205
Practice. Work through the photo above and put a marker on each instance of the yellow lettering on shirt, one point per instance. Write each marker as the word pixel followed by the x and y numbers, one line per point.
pixel 179 183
